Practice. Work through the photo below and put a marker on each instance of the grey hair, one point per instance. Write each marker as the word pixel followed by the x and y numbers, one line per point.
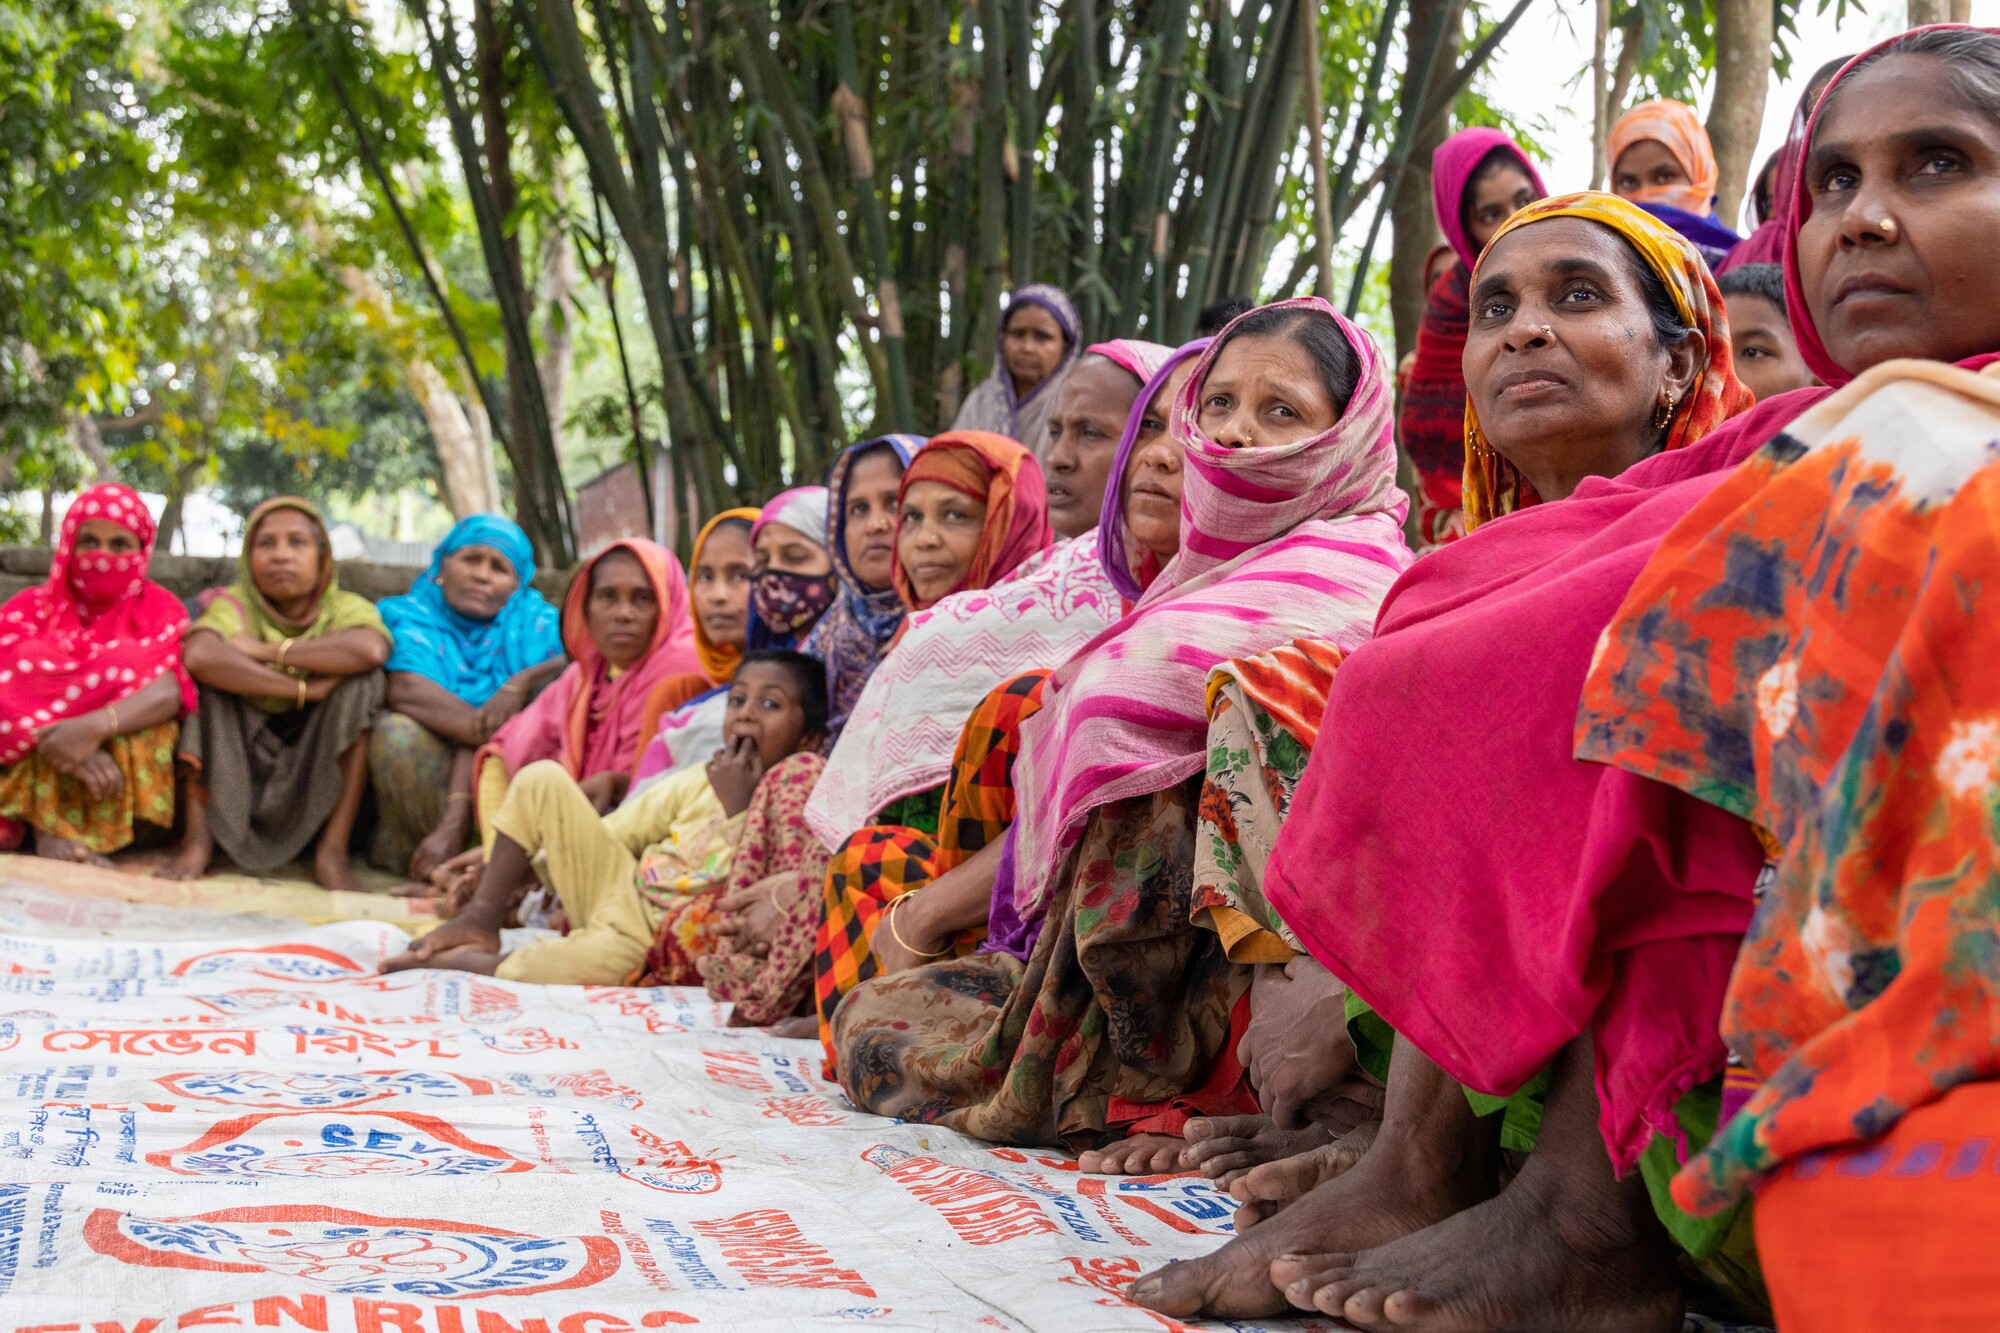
pixel 1970 56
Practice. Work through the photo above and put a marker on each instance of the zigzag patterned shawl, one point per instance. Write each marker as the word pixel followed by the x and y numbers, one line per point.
pixel 1296 541
pixel 900 737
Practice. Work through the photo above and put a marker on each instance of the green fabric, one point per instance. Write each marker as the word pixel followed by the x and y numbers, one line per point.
pixel 1374 1040
pixel 921 811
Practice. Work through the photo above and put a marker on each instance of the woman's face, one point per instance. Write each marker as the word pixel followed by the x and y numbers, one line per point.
pixel 722 586
pixel 477 581
pixel 937 537
pixel 1032 346
pixel 1645 168
pixel 1497 193
pixel 782 546
pixel 285 556
pixel 1264 391
pixel 1561 360
pixel 1084 429
pixel 1904 178
pixel 101 534
pixel 869 525
pixel 1152 496
pixel 622 611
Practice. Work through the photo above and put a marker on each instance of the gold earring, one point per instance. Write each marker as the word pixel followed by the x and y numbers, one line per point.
pixel 1666 412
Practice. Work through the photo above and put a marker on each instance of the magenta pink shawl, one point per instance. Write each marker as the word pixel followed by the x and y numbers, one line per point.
pixel 585 718
pixel 1276 544
pixel 1447 856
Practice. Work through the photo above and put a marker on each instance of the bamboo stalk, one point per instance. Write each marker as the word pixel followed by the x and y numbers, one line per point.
pixel 1399 156
pixel 1316 153
pixel 1163 132
pixel 851 110
pixel 1024 139
pixel 957 226
pixel 992 207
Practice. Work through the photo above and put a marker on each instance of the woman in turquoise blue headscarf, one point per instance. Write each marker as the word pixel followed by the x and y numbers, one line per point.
pixel 474 642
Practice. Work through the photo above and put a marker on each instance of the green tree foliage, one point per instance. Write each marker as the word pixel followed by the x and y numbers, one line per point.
pixel 74 172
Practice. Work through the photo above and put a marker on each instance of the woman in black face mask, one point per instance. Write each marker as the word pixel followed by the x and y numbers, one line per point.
pixel 792 581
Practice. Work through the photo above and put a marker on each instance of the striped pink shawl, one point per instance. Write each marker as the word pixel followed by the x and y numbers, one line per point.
pixel 1299 541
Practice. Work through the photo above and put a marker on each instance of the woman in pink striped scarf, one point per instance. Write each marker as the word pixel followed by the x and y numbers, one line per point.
pixel 1291 525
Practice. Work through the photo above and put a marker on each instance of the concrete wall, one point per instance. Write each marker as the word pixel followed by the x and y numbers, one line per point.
pixel 185 576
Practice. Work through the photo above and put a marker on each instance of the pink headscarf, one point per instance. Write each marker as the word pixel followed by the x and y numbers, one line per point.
pixel 1276 544
pixel 585 718
pixel 1142 358
pixel 1452 168
pixel 95 633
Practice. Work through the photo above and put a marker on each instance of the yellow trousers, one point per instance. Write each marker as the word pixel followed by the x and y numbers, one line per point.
pixel 611 924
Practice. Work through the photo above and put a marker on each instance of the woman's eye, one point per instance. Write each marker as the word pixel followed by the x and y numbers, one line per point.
pixel 1579 294
pixel 1217 401
pixel 1279 409
pixel 1938 164
pixel 1496 310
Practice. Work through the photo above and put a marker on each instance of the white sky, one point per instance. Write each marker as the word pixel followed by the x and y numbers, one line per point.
pixel 1531 72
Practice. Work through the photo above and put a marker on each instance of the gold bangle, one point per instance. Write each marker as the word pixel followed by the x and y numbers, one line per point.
pixel 897 935
pixel 302 692
pixel 283 645
pixel 113 710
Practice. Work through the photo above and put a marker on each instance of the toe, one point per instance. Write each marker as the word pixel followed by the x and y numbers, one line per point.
pixel 1176 1290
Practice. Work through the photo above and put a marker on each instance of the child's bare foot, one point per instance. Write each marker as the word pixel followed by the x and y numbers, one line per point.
pixel 52 848
pixel 799 1027
pixel 1139 1155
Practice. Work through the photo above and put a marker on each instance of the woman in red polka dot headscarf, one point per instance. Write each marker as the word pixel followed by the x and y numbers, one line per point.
pixel 91 687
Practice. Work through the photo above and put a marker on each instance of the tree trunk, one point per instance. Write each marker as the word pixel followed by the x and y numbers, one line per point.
pixel 1923 13
pixel 1600 94
pixel 1743 40
pixel 470 485
pixel 86 440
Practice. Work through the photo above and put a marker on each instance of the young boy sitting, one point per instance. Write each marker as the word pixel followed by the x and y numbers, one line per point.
pixel 1767 359
pixel 600 867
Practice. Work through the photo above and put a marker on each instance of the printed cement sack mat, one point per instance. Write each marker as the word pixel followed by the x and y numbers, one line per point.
pixel 256 1131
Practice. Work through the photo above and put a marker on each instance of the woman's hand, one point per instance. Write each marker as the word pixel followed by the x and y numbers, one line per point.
pixel 318 687
pixel 749 918
pixel 101 776
pixel 255 648
pixel 925 944
pixel 439 846
pixel 69 744
pixel 734 773
pixel 605 790
pixel 1296 1048
pixel 497 711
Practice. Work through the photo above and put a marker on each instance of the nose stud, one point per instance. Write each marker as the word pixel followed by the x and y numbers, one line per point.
pixel 1888 227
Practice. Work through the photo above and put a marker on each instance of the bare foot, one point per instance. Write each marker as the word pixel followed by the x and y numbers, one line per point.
pixel 52 848
pixel 1399 1187
pixel 189 861
pixel 333 870
pixel 1557 1252
pixel 797 1027
pixel 1222 1148
pixel 1139 1155
pixel 1264 1190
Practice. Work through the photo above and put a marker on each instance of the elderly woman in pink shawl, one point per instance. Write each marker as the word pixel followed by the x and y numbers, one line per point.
pixel 1291 524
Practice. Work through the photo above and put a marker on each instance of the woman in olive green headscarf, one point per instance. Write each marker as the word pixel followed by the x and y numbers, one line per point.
pixel 290 670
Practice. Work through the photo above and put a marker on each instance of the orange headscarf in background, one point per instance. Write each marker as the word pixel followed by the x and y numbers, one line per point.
pixel 718 660
pixel 1005 478
pixel 1492 484
pixel 1675 127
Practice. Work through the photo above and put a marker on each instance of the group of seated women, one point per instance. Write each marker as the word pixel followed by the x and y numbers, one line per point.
pixel 1495 925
